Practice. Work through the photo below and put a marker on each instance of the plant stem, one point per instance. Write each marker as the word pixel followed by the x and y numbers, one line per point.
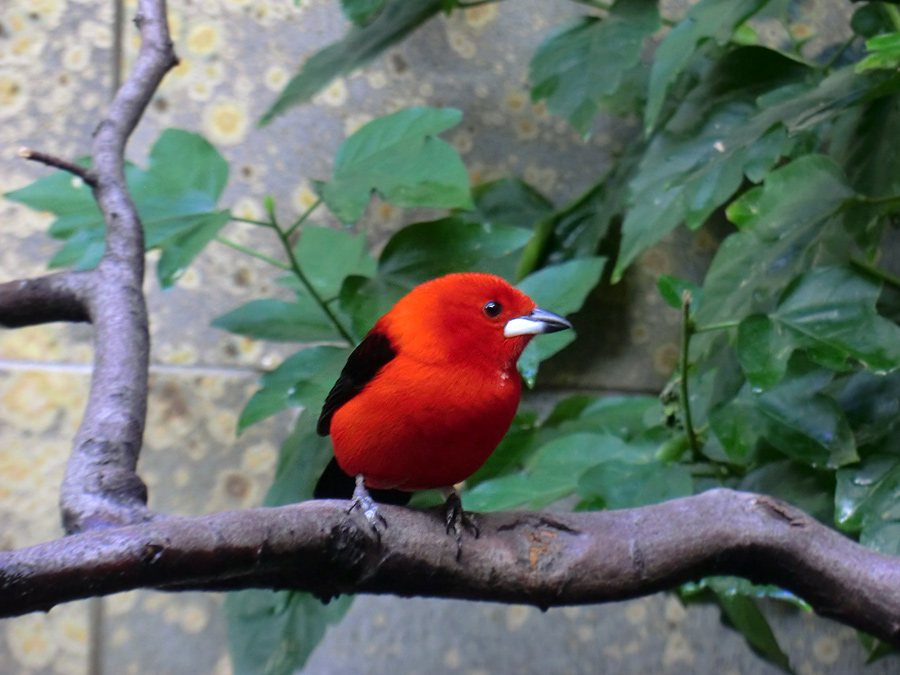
pixel 686 331
pixel 251 221
pixel 253 253
pixel 302 218
pixel 295 268
pixel 876 271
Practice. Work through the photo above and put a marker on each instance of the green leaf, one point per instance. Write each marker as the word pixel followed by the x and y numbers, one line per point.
pixel 869 20
pixel 551 473
pixel 742 613
pixel 269 319
pixel 804 487
pixel 867 500
pixel 397 19
pixel 273 633
pixel 746 113
pixel 303 379
pixel 175 197
pixel 672 290
pixel 763 349
pixel 328 256
pixel 423 251
pixel 831 312
pixel 401 158
pixel 561 289
pixel 885 53
pixel 181 249
pixel 872 405
pixel 627 484
pixel 788 225
pixel 584 61
pixel 361 12
pixel 738 426
pixel 509 201
pixel 804 424
pixel 708 19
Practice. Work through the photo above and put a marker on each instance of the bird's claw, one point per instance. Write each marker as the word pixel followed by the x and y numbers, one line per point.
pixel 364 502
pixel 457 520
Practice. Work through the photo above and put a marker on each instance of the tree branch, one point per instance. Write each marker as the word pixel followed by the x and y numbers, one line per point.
pixel 56 297
pixel 101 487
pixel 538 558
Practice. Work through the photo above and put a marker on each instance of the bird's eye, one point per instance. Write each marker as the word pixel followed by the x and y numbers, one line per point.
pixel 492 309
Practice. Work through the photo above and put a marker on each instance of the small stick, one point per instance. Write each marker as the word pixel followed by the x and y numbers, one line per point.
pixel 82 172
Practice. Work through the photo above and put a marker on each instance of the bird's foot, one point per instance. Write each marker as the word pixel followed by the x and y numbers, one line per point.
pixel 364 502
pixel 457 520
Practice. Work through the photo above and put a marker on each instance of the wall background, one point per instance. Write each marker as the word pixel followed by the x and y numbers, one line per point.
pixel 56 73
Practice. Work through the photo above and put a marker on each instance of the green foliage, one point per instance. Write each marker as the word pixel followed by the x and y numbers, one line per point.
pixel 394 20
pixel 400 157
pixel 176 198
pixel 583 62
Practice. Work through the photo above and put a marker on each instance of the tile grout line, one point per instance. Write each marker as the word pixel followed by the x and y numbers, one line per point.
pixel 15 365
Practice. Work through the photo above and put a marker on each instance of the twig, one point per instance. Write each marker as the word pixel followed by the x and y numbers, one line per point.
pixel 538 558
pixel 82 172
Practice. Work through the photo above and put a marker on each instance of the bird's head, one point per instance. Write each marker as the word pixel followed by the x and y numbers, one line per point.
pixel 468 318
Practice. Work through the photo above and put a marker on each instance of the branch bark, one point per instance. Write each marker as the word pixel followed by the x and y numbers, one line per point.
pixel 538 558
pixel 101 487
pixel 55 297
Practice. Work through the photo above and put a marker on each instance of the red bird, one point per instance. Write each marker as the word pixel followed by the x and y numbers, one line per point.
pixel 431 390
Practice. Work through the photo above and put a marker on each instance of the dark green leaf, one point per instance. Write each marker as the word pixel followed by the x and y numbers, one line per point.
pixel 303 379
pixel 743 615
pixel 708 19
pixel 831 312
pixel 397 19
pixel 864 491
pixel 584 61
pixel 787 225
pixel 672 290
pixel 273 633
pixel 806 425
pixel 400 157
pixel 509 201
pixel 560 289
pixel 361 12
pixel 872 405
pixel 269 319
pixel 763 348
pixel 627 484
pixel 806 488
pixel 423 251
pixel 737 425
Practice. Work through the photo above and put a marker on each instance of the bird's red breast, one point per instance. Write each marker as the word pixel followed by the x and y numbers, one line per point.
pixel 433 388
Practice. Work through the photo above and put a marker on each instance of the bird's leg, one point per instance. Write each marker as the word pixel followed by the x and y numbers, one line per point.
pixel 363 500
pixel 456 519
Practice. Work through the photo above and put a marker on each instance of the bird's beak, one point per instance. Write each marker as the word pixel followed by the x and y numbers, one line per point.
pixel 536 323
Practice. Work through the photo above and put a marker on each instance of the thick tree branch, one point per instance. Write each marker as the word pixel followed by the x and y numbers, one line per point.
pixel 101 487
pixel 543 559
pixel 55 297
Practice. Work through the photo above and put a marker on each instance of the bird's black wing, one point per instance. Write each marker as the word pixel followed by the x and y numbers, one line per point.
pixel 363 364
